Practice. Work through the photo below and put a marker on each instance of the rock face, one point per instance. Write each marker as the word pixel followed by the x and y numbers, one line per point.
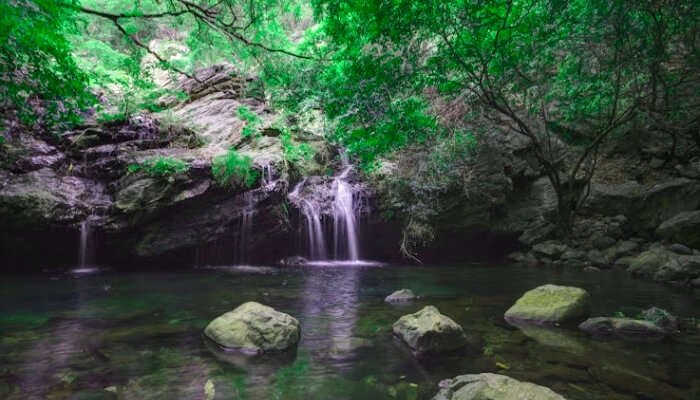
pixel 400 296
pixel 256 328
pixel 550 304
pixel 683 228
pixel 428 332
pixel 624 328
pixel 492 387
pixel 58 182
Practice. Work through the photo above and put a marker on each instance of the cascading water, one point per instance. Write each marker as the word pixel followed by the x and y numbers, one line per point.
pixel 83 250
pixel 245 230
pixel 325 204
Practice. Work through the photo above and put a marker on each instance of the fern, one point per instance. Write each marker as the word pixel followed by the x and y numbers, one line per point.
pixel 233 169
pixel 162 167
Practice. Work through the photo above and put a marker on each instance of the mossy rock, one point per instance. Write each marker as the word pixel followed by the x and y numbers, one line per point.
pixel 254 328
pixel 427 331
pixel 550 304
pixel 492 387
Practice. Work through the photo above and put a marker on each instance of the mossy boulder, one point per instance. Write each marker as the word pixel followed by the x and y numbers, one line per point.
pixel 623 328
pixel 428 331
pixel 255 328
pixel 400 296
pixel 489 386
pixel 550 304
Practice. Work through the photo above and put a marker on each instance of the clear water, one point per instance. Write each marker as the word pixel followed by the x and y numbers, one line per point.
pixel 101 334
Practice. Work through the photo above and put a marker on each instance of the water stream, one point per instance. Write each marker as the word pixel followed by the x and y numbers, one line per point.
pixel 331 209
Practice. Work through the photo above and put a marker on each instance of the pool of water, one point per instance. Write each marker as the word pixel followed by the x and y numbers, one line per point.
pixel 101 334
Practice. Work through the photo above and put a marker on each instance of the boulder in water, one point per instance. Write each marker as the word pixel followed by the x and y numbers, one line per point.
pixel 427 331
pixel 489 386
pixel 550 304
pixel 254 327
pixel 623 328
pixel 294 260
pixel 400 296
pixel 661 318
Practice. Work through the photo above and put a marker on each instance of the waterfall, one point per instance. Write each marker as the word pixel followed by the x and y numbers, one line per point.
pixel 344 217
pixel 333 201
pixel 82 251
pixel 245 230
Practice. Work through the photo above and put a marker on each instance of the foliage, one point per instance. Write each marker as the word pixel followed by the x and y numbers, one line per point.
pixel 253 122
pixel 40 81
pixel 553 71
pixel 162 167
pixel 292 151
pixel 233 169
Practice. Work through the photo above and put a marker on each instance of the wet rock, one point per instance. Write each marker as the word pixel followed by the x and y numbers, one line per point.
pixel 550 249
pixel 661 318
pixel 679 268
pixel 253 327
pixel 428 331
pixel 293 260
pixel 621 249
pixel 680 249
pixel 550 304
pixel 647 263
pixel 603 242
pixel 400 296
pixel 624 328
pixel 591 269
pixel 42 197
pixel 598 258
pixel 489 386
pixel 683 228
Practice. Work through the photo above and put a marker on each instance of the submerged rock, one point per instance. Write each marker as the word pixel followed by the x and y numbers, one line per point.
pixel 489 386
pixel 256 328
pixel 550 304
pixel 428 331
pixel 294 260
pixel 624 328
pixel 661 318
pixel 400 296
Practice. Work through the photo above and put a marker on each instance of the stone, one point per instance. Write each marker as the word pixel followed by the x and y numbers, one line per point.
pixel 591 269
pixel 488 386
pixel 550 249
pixel 680 249
pixel 683 228
pixel 603 242
pixel 661 318
pixel 255 328
pixel 647 263
pixel 598 258
pixel 401 295
pixel 624 328
pixel 679 268
pixel 428 331
pixel 294 260
pixel 621 249
pixel 550 304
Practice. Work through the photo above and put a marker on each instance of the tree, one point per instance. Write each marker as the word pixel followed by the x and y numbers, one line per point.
pixel 39 79
pixel 565 74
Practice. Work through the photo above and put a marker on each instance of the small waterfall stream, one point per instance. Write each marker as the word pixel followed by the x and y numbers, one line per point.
pixel 330 208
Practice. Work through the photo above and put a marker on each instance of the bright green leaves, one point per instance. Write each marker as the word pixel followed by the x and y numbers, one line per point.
pixel 233 169
pixel 252 122
pixel 161 167
pixel 39 79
